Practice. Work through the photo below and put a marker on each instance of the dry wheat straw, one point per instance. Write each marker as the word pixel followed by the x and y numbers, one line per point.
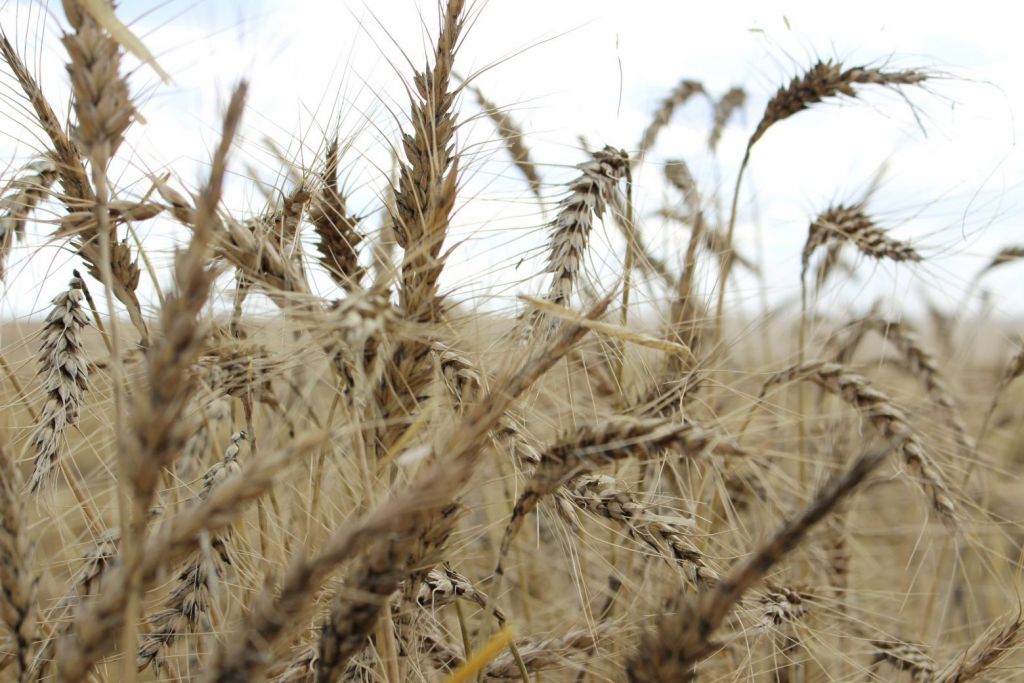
pixel 65 371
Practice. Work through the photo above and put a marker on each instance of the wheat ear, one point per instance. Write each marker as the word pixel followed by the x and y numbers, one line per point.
pixel 427 183
pixel 822 81
pixel 678 96
pixel 188 607
pixel 884 415
pixel 336 228
pixel 18 580
pixel 570 235
pixel 725 108
pixel 682 637
pixel 511 133
pixel 997 642
pixel 65 369
pixel 22 197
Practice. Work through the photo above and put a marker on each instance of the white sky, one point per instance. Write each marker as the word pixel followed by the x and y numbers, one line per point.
pixel 596 68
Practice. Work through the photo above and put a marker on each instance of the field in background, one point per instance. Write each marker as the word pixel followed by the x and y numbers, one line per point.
pixel 313 455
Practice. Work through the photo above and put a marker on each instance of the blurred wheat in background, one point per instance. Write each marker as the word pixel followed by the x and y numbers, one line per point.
pixel 300 445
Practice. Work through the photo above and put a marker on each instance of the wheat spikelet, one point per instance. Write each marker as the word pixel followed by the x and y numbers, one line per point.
pixel 18 580
pixel 355 338
pixel 66 378
pixel 21 197
pixel 782 605
pixel 725 108
pixel 883 414
pixel 512 135
pixel 589 195
pixel 101 100
pixel 675 99
pixel 443 586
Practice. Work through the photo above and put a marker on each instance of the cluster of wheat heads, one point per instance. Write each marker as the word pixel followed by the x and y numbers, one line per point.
pixel 385 484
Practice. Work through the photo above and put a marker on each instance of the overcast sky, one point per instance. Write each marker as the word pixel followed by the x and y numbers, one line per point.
pixel 564 68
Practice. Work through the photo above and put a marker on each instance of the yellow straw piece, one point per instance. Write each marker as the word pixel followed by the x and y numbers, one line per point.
pixel 103 13
pixel 609 329
pixel 483 656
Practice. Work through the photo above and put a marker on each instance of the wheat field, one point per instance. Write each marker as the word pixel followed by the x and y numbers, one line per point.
pixel 294 447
